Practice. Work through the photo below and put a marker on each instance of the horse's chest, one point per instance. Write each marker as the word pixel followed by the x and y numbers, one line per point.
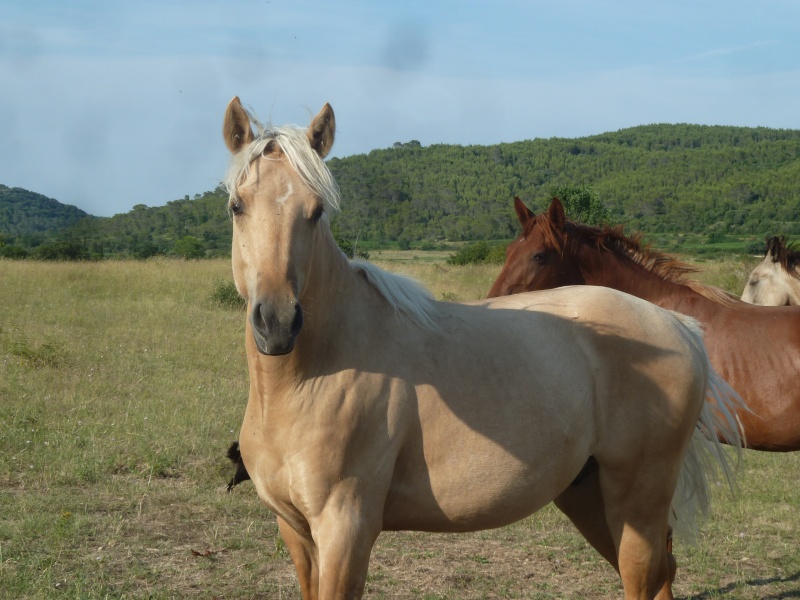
pixel 272 479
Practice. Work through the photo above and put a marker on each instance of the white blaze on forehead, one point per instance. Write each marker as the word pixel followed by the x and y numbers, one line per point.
pixel 286 194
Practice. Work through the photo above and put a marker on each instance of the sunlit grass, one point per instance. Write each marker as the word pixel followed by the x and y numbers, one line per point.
pixel 121 385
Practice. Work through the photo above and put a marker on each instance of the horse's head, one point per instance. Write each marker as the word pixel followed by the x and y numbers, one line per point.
pixel 537 259
pixel 279 187
pixel 772 282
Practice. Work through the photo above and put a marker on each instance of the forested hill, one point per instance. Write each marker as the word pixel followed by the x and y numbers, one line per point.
pixel 682 178
pixel 24 213
pixel 655 178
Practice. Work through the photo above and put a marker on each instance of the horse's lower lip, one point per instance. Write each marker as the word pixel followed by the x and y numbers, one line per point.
pixel 272 349
pixel 277 351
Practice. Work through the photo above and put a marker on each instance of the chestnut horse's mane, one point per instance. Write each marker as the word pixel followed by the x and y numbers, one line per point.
pixel 632 248
pixel 788 254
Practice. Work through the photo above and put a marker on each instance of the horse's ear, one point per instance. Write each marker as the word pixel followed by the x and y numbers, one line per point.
pixel 773 248
pixel 236 127
pixel 556 214
pixel 524 214
pixel 322 130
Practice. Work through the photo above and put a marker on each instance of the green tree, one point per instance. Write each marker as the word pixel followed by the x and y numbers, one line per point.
pixel 582 204
pixel 10 250
pixel 189 247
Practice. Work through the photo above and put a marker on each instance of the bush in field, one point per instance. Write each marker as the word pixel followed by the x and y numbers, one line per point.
pixel 479 253
pixel 10 251
pixel 61 250
pixel 226 296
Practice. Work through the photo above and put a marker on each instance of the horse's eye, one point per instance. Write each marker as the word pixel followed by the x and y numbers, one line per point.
pixel 235 207
pixel 317 214
pixel 539 257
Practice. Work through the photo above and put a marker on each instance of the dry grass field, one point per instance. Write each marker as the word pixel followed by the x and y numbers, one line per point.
pixel 121 386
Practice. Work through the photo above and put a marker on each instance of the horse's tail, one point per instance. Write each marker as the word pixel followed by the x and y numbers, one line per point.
pixel 706 456
pixel 241 474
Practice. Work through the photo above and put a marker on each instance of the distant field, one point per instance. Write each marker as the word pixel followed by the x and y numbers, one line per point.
pixel 121 386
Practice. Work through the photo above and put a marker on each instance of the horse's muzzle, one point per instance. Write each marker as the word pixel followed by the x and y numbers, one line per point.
pixel 275 329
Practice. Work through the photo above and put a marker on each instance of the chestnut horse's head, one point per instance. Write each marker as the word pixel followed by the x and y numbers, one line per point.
pixel 279 190
pixel 537 259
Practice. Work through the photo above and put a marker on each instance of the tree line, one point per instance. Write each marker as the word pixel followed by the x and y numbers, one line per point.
pixel 656 179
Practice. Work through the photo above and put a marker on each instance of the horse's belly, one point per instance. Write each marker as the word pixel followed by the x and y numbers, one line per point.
pixel 480 485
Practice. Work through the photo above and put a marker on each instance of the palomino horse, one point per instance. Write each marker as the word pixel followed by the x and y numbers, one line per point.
pixel 374 407
pixel 755 348
pixel 775 281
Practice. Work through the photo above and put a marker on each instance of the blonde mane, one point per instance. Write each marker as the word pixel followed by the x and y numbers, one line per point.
pixel 407 296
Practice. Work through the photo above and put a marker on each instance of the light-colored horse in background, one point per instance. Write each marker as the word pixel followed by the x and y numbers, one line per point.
pixel 374 407
pixel 775 281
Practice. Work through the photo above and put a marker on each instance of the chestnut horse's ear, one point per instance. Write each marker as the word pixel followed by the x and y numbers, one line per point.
pixel 236 127
pixel 322 130
pixel 524 214
pixel 556 214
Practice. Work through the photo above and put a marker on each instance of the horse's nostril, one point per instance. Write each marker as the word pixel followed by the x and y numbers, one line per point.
pixel 297 322
pixel 257 318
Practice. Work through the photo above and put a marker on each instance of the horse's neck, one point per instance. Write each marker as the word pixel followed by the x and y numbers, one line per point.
pixel 609 270
pixel 340 305
pixel 324 301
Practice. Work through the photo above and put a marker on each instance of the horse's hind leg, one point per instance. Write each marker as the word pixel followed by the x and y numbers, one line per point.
pixel 583 503
pixel 637 512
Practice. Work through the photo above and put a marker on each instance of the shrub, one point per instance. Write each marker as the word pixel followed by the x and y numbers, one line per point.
pixel 478 253
pixel 225 295
pixel 61 250
pixel 8 251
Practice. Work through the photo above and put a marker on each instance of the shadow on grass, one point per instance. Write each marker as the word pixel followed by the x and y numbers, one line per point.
pixel 753 583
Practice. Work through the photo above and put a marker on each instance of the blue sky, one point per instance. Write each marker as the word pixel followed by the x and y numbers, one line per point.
pixel 105 105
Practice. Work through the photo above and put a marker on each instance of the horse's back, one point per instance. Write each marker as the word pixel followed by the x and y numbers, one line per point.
pixel 608 316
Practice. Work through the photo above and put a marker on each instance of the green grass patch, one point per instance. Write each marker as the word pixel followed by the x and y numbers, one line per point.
pixel 121 387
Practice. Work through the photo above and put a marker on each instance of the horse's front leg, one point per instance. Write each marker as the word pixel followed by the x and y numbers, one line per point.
pixel 344 534
pixel 304 555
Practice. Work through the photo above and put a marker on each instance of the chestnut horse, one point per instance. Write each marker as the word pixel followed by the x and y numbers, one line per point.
pixel 374 407
pixel 775 281
pixel 755 348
